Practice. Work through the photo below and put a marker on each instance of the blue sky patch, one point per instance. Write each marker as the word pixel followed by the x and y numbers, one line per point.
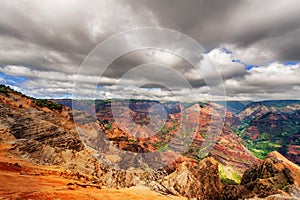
pixel 12 80
pixel 291 63
pixel 247 66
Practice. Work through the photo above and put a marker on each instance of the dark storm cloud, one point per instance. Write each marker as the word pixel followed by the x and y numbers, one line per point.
pixel 289 46
pixel 59 33
pixel 197 18
pixel 238 22
pixel 48 40
pixel 72 30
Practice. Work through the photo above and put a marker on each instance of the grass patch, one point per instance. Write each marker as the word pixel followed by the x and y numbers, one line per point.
pixel 228 177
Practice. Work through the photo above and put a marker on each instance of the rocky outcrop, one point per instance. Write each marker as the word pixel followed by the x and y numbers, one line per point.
pixel 277 175
pixel 200 182
pixel 48 137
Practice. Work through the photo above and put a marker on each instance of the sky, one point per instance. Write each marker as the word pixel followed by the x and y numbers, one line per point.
pixel 254 45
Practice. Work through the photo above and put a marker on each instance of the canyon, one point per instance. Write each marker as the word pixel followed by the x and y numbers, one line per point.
pixel 57 152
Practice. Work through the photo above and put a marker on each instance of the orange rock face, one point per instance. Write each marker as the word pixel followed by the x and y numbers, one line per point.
pixel 276 175
pixel 20 179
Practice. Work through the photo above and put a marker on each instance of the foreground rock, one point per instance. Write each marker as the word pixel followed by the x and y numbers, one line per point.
pixel 277 175
pixel 201 181
pixel 20 179
pixel 48 137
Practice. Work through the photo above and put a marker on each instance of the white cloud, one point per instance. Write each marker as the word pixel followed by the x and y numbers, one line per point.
pixel 224 64
pixel 255 54
pixel 273 81
pixel 274 75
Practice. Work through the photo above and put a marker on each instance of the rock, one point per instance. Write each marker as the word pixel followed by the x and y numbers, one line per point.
pixel 200 182
pixel 231 192
pixel 275 197
pixel 292 190
pixel 277 175
pixel 280 197
pixel 22 173
pixel 48 137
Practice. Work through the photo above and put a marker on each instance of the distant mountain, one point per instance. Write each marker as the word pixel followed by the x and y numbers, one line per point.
pixel 263 126
pixel 65 102
pixel 271 125
pixel 255 109
pixel 234 106
pixel 276 104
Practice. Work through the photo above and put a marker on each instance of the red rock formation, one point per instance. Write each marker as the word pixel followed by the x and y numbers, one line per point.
pixel 276 175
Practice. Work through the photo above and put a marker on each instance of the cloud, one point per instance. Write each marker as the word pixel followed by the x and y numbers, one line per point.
pixel 275 75
pixel 58 35
pixel 273 81
pixel 223 61
pixel 241 23
pixel 46 42
pixel 2 80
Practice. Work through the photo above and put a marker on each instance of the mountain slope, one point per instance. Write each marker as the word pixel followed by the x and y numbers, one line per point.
pixel 266 127
pixel 42 135
pixel 41 132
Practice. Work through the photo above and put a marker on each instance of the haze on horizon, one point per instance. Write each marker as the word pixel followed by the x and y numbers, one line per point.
pixel 255 45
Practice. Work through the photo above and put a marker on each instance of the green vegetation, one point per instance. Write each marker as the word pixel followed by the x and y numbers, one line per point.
pixel 6 89
pixel 197 159
pixel 132 140
pixel 240 130
pixel 261 147
pixel 274 130
pixel 39 102
pixel 109 125
pixel 235 179
pixel 228 181
pixel 49 104
pixel 282 184
pixel 161 146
